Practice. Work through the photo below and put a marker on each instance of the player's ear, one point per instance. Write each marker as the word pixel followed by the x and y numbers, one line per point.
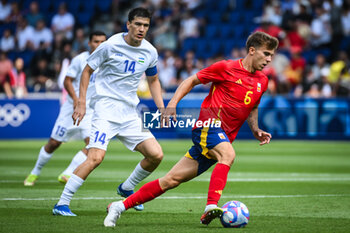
pixel 128 25
pixel 251 50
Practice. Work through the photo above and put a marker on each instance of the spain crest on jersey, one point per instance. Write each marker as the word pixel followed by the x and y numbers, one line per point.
pixel 258 89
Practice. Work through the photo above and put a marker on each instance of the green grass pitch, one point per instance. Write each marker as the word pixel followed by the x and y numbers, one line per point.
pixel 288 186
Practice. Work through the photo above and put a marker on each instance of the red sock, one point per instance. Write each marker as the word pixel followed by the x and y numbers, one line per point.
pixel 146 193
pixel 217 183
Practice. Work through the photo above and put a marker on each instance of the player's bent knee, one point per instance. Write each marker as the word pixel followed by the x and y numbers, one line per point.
pixel 156 155
pixel 52 145
pixel 95 159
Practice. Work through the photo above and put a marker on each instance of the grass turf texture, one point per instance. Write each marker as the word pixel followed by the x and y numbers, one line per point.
pixel 288 186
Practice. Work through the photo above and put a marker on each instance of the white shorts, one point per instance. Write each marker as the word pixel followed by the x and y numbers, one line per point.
pixel 64 128
pixel 130 133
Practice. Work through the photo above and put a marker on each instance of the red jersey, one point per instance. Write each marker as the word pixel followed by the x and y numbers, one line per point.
pixel 233 94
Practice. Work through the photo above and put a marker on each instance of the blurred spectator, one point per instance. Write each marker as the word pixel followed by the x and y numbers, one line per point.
pixel 339 75
pixel 303 14
pixel 280 63
pixel 42 75
pixel 297 66
pixel 7 41
pixel 272 12
pixel 188 70
pixel 80 42
pixel 192 4
pixel 178 64
pixel 345 19
pixel 43 36
pixel 320 29
pixel 167 70
pixel 235 54
pixel 164 36
pixel 273 30
pixel 5 10
pixel 18 79
pixel 336 28
pixel 313 83
pixel 293 38
pixel 63 23
pixel 25 35
pixel 34 14
pixel 270 72
pixel 62 63
pixel 189 26
pixel 5 68
pixel 16 14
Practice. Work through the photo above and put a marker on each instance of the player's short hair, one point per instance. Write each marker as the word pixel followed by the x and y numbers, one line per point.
pixel 96 33
pixel 139 12
pixel 259 39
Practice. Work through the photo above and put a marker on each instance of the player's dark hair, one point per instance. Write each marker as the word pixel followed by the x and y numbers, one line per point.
pixel 139 12
pixel 259 39
pixel 97 33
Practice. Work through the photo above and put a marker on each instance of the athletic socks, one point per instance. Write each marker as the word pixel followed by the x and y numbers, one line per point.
pixel 217 183
pixel 43 158
pixel 136 177
pixel 73 184
pixel 146 193
pixel 78 159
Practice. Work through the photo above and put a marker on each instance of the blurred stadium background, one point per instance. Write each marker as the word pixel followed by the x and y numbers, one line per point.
pixel 289 186
pixel 308 95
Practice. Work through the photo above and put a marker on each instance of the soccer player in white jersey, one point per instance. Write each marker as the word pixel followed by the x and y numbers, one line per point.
pixel 64 128
pixel 121 60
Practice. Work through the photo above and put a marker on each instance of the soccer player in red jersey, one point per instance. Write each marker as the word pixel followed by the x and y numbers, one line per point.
pixel 235 93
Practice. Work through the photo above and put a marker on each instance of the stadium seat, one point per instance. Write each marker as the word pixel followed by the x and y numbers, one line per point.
pixel 226 31
pixel 89 7
pixel 201 47
pixel 56 4
pixel 83 18
pixel 214 47
pixel 44 6
pixel 104 5
pixel 212 31
pixel 228 45
pixel 187 45
pixel 239 31
pixel 27 56
pixel 345 43
pixel 215 17
pixel 235 17
pixel 74 6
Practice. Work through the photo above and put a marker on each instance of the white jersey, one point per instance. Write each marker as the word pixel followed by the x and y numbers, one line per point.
pixel 120 69
pixel 75 70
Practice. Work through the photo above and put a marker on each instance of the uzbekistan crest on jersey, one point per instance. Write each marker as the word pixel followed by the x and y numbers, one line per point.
pixel 258 89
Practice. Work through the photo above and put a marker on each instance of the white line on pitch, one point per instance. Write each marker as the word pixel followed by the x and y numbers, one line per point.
pixel 182 197
pixel 318 179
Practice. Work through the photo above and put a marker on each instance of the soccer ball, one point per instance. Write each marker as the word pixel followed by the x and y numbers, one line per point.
pixel 235 214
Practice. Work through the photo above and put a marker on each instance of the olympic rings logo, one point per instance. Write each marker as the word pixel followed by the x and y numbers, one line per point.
pixel 13 115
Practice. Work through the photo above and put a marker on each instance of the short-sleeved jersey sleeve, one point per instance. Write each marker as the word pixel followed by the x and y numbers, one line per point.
pixel 74 68
pixel 101 54
pixel 212 73
pixel 152 68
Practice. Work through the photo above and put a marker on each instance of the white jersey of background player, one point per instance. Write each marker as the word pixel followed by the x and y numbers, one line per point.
pixel 121 60
pixel 64 128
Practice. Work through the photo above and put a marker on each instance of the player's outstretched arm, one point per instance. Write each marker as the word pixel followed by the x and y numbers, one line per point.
pixel 259 134
pixel 79 111
pixel 185 87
